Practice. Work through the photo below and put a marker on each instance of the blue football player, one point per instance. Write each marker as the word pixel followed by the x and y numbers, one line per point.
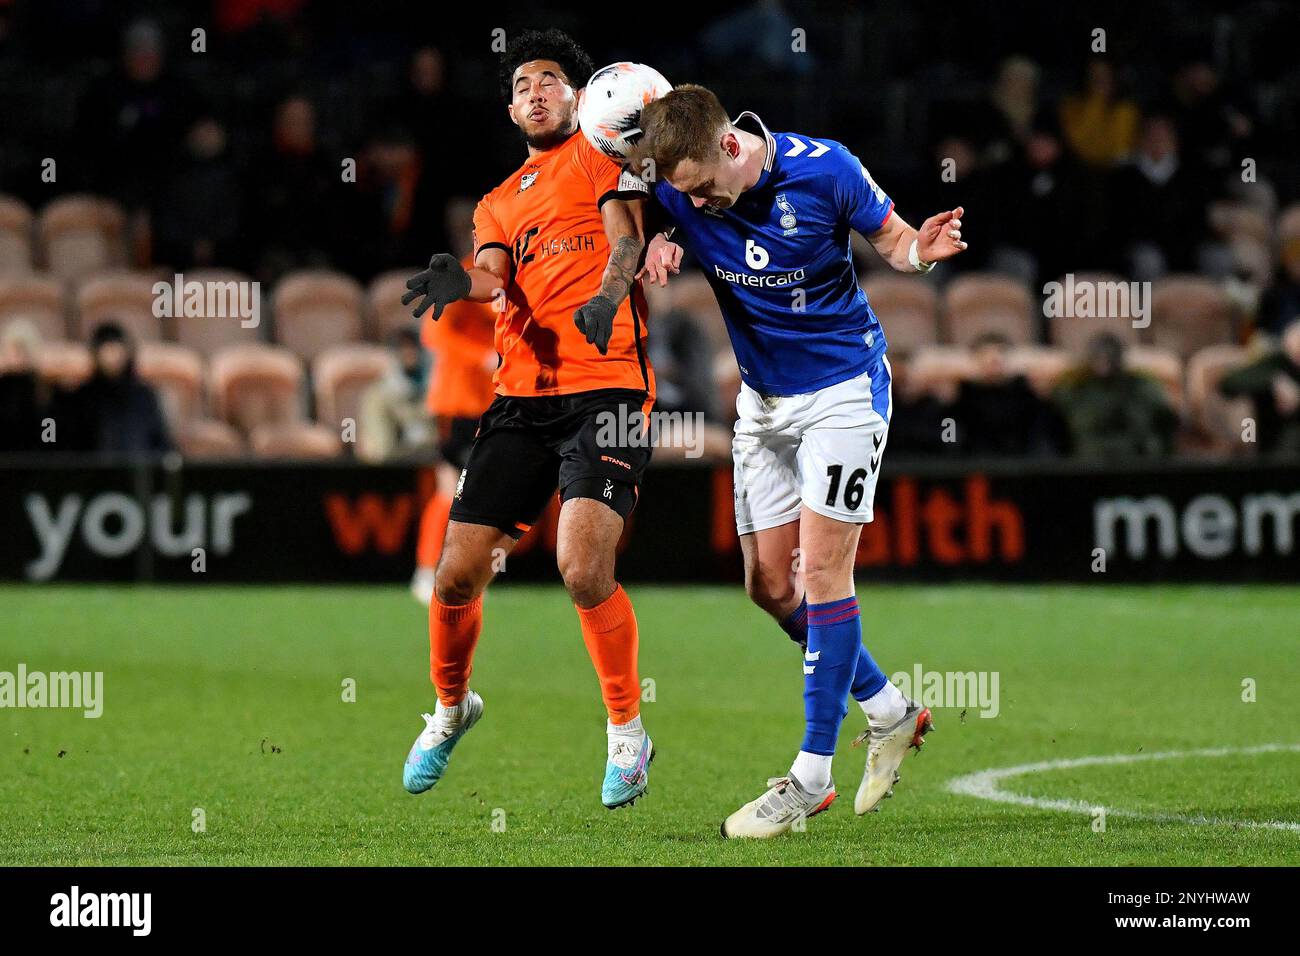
pixel 767 215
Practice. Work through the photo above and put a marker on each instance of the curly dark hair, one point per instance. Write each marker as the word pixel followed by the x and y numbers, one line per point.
pixel 552 44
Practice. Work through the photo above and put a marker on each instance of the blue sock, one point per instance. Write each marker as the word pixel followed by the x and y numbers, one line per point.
pixel 834 643
pixel 868 678
pixel 796 624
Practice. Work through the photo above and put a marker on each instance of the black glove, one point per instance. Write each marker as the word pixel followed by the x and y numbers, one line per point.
pixel 441 284
pixel 595 320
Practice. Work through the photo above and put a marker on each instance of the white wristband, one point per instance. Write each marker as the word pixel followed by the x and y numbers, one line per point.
pixel 915 260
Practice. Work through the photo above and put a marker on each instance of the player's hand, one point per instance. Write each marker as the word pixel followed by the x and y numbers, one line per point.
pixel 444 282
pixel 939 237
pixel 661 258
pixel 595 320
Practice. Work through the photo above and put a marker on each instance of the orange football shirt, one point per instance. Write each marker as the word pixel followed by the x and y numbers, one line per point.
pixel 464 355
pixel 546 215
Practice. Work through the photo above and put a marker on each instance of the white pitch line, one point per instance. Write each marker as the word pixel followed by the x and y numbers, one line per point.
pixel 986 785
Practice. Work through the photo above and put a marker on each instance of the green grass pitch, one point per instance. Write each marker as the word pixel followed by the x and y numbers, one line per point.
pixel 231 700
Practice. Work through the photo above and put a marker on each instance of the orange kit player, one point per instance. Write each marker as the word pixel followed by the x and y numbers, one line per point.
pixel 460 388
pixel 557 247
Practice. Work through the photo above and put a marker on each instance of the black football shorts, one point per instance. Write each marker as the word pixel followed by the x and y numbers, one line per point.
pixel 588 444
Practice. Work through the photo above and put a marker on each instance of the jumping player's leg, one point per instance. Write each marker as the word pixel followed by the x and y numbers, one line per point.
pixel 598 490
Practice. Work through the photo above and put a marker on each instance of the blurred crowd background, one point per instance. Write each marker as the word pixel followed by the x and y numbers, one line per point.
pixel 1168 157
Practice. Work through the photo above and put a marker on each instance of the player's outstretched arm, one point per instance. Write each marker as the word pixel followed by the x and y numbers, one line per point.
pixel 447 281
pixel 939 238
pixel 624 228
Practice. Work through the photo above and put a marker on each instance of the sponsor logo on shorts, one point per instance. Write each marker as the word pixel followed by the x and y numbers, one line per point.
pixel 615 461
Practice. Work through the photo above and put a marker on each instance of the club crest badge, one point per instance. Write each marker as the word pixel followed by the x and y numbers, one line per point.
pixel 789 224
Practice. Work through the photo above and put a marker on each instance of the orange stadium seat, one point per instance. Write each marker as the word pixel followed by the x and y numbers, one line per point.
pixel 692 293
pixel 295 440
pixel 207 333
pixel 37 298
pixel 976 304
pixel 315 309
pixel 208 438
pixel 1216 418
pixel 1288 223
pixel 384 310
pixel 15 237
pixel 1164 365
pixel 907 307
pixel 1041 365
pixel 1072 332
pixel 1189 313
pixel 177 374
pixel 939 369
pixel 251 385
pixel 126 298
pixel 340 374
pixel 82 234
pixel 65 364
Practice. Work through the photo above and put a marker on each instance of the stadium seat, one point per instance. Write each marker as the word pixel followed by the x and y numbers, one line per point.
pixel 1288 223
pixel 939 369
pixel 692 293
pixel 315 309
pixel 1233 219
pixel 64 364
pixel 976 304
pixel 177 374
pixel 295 440
pixel 385 313
pixel 126 298
pixel 81 234
pixel 1215 418
pixel 907 307
pixel 208 333
pixel 1189 313
pixel 340 374
pixel 1041 365
pixel 15 237
pixel 1164 365
pixel 37 298
pixel 251 385
pixel 208 438
pixel 1072 332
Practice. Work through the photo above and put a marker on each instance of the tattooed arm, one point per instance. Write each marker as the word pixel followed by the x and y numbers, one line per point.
pixel 624 227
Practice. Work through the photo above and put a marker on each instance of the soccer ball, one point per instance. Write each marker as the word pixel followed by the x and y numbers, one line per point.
pixel 610 114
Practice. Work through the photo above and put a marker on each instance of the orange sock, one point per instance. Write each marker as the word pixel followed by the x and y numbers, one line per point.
pixel 609 630
pixel 433 525
pixel 453 634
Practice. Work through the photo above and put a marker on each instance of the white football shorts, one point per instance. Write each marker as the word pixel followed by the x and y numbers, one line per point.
pixel 821 450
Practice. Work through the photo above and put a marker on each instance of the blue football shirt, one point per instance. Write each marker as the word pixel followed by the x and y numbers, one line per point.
pixel 779 262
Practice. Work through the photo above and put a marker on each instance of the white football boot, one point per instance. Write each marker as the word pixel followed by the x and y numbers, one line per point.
pixel 778 810
pixel 886 747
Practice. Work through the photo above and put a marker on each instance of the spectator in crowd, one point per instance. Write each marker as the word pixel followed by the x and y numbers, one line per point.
pixel 135 119
pixel 393 420
pixel 196 220
pixel 1272 382
pixel 1112 413
pixel 114 412
pixel 1099 126
pixel 922 423
pixel 1279 306
pixel 23 394
pixel 1158 205
pixel 1012 108
pixel 293 185
pixel 682 355
pixel 997 412
pixel 1210 127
